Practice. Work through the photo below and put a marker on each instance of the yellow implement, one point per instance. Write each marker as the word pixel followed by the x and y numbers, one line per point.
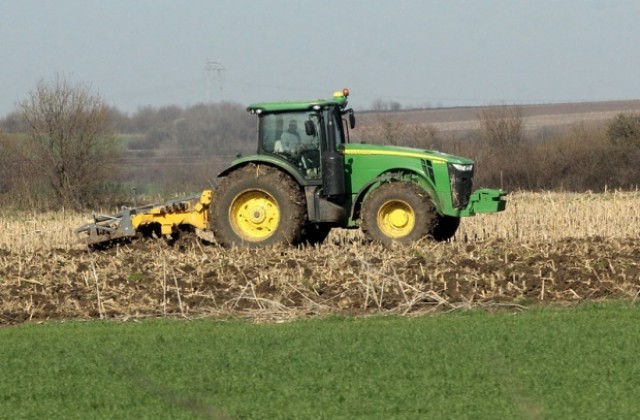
pixel 164 219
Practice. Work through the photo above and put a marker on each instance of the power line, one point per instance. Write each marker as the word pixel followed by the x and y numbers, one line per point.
pixel 214 71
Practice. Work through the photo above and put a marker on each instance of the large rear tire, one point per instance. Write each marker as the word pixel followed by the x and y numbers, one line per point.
pixel 399 212
pixel 257 206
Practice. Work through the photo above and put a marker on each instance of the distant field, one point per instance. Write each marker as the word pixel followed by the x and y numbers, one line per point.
pixel 550 116
pixel 546 247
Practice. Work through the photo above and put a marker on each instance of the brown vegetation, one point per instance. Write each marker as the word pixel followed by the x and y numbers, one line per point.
pixel 546 247
pixel 65 150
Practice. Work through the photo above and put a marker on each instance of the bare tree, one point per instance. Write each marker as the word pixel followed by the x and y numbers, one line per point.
pixel 502 127
pixel 71 142
pixel 502 147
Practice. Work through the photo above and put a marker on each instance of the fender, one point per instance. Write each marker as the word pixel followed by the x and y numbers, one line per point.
pixel 268 160
pixel 398 175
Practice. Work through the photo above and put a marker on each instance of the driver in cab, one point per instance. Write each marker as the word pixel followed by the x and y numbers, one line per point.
pixel 289 140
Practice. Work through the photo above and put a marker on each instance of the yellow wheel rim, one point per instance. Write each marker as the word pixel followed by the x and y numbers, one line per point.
pixel 396 219
pixel 254 215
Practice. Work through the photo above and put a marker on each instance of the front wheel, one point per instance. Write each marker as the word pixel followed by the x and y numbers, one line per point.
pixel 257 206
pixel 398 212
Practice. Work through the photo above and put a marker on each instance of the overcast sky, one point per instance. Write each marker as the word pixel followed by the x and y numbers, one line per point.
pixel 416 52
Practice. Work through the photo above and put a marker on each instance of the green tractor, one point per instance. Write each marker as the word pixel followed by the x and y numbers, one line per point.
pixel 306 179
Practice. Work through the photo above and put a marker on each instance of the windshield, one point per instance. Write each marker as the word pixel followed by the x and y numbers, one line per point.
pixel 287 130
pixel 295 137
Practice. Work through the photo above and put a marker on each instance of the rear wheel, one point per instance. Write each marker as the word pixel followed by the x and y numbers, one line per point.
pixel 398 212
pixel 258 205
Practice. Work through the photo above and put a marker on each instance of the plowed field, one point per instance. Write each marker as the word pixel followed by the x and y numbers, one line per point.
pixel 563 248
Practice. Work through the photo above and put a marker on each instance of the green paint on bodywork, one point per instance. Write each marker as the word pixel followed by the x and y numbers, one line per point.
pixel 398 151
pixel 369 165
pixel 485 200
pixel 365 162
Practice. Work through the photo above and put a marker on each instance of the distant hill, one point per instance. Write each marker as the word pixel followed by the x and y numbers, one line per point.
pixel 536 117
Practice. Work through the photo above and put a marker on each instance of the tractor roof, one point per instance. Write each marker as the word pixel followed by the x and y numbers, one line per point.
pixel 339 98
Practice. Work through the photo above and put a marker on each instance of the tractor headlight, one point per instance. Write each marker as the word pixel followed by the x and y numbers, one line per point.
pixel 462 168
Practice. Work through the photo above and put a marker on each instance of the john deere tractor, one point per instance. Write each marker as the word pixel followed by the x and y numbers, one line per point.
pixel 306 178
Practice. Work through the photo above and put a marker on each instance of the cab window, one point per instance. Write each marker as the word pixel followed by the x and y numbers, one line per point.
pixel 295 137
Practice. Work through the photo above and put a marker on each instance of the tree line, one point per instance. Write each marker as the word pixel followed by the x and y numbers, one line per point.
pixel 65 147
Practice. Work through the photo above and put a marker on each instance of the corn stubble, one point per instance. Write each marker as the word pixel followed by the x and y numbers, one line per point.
pixel 546 247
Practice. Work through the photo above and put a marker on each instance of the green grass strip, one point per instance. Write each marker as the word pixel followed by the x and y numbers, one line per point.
pixel 544 363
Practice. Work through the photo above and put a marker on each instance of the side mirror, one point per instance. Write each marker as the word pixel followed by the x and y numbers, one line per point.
pixel 352 118
pixel 310 128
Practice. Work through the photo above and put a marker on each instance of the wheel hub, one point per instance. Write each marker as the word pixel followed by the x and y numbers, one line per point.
pixel 396 219
pixel 258 215
pixel 254 215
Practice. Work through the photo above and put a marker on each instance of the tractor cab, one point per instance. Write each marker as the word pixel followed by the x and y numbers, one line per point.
pixel 307 134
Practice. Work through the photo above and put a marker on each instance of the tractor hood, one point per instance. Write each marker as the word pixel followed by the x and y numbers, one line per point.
pixel 398 151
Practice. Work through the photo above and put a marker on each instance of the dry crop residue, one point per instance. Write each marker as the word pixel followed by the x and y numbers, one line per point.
pixel 546 247
pixel 343 277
